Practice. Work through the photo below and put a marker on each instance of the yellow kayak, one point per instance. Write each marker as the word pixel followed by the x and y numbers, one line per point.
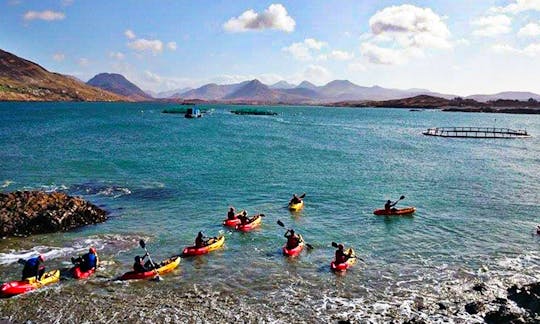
pixel 213 244
pixel 165 267
pixel 19 287
pixel 296 207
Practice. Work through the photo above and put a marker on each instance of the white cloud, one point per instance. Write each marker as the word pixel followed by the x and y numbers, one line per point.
pixel 130 34
pixel 274 17
pixel 303 51
pixel 490 26
pixel 141 45
pixel 83 61
pixel 399 33
pixel 171 46
pixel 518 6
pixel 411 26
pixel 317 74
pixel 531 50
pixel 356 67
pixel 340 55
pixel 152 77
pixel 47 15
pixel 117 55
pixel 530 30
pixel 59 57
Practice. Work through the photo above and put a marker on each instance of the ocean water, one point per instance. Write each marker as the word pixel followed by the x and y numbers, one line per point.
pixel 164 178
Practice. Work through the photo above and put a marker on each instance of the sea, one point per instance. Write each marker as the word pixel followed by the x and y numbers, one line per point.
pixel 163 178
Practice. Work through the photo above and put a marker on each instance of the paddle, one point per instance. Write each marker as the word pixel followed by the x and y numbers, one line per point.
pixel 143 245
pixel 309 246
pixel 400 198
pixel 334 244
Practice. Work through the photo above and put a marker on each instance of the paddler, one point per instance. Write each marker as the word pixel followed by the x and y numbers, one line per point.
pixel 244 219
pixel 139 266
pixel 200 240
pixel 341 257
pixel 231 214
pixel 295 200
pixel 293 239
pixel 389 204
pixel 33 267
pixel 87 261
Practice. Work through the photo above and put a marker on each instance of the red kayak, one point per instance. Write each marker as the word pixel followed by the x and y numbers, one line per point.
pixel 164 267
pixel 295 251
pixel 79 274
pixel 213 244
pixel 231 222
pixel 342 267
pixel 22 286
pixel 395 212
pixel 255 222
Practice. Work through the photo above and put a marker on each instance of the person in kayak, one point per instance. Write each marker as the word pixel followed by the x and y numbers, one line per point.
pixel 201 240
pixel 33 268
pixel 87 261
pixel 389 204
pixel 244 219
pixel 538 229
pixel 140 266
pixel 341 257
pixel 293 239
pixel 231 214
pixel 295 200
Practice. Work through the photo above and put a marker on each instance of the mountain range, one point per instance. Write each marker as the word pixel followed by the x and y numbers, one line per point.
pixel 21 79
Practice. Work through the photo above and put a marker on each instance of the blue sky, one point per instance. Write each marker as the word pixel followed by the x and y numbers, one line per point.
pixel 459 47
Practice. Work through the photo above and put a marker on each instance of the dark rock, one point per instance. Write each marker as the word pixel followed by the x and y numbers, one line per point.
pixel 527 297
pixel 474 307
pixel 480 287
pixel 33 212
pixel 419 303
pixel 442 306
pixel 503 315
pixel 415 320
pixel 344 322
pixel 502 301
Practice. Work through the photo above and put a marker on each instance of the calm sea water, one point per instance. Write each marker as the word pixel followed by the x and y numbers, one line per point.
pixel 164 178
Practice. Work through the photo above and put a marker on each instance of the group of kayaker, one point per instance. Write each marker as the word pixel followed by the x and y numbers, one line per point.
pixel 34 268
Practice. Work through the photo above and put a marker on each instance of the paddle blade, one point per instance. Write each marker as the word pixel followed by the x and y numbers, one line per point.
pixel 309 246
pixel 402 197
pixel 302 195
pixel 21 261
pixel 280 223
pixel 262 215
pixel 334 244
pixel 142 244
pixel 157 278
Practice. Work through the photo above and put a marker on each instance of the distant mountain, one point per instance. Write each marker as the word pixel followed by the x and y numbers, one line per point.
pixel 118 84
pixel 212 91
pixel 253 90
pixel 176 93
pixel 507 95
pixel 307 85
pixel 23 80
pixel 282 85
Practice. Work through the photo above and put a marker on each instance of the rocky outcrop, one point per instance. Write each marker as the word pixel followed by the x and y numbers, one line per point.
pixel 24 213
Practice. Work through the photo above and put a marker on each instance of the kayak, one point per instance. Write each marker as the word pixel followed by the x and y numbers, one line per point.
pixel 20 287
pixel 79 274
pixel 295 251
pixel 165 267
pixel 232 222
pixel 342 267
pixel 255 222
pixel 296 207
pixel 395 212
pixel 214 244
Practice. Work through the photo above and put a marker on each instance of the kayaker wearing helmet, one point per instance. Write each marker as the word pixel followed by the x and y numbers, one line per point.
pixel 139 266
pixel 87 261
pixel 341 257
pixel 243 218
pixel 33 267
pixel 293 239
pixel 295 200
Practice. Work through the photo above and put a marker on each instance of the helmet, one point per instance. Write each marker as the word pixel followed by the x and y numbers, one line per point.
pixel 41 257
pixel 92 250
pixel 340 246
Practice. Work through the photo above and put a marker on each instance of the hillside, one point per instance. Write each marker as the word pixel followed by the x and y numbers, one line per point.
pixel 117 83
pixel 23 80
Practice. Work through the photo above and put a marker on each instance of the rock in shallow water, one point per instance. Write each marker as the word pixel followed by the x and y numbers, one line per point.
pixel 24 213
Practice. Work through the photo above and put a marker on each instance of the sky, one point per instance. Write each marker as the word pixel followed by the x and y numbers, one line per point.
pixel 458 47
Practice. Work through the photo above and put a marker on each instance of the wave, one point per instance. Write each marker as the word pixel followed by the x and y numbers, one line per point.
pixel 6 183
